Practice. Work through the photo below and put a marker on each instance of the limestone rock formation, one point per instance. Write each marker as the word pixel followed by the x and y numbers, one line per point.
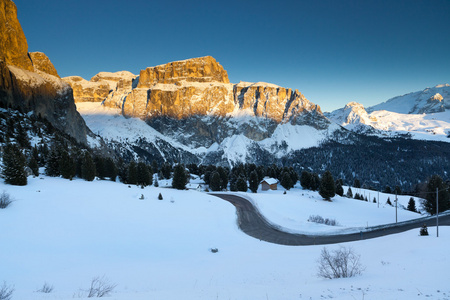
pixel 201 69
pixel 200 86
pixel 99 87
pixel 13 44
pixel 42 63
pixel 29 85
pixel 87 91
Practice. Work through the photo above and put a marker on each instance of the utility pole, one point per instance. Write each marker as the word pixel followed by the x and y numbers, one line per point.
pixel 396 201
pixel 437 212
pixel 378 199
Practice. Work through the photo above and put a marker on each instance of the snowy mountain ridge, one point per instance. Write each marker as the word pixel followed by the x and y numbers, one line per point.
pixel 423 115
pixel 429 100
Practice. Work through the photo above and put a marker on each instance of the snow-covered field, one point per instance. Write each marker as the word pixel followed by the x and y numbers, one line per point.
pixel 67 232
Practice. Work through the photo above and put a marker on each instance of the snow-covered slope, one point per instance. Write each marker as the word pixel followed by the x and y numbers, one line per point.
pixel 430 100
pixel 237 138
pixel 421 115
pixel 64 233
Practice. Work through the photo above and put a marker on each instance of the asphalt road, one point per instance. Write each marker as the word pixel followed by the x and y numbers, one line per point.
pixel 251 222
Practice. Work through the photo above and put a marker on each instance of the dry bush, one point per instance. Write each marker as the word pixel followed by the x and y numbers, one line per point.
pixel 339 263
pixel 6 291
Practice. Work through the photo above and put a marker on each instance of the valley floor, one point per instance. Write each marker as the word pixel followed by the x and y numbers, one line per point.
pixel 67 232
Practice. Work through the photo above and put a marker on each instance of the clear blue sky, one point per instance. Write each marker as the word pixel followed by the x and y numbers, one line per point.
pixel 332 51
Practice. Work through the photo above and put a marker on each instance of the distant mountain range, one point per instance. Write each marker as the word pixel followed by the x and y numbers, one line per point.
pixel 423 115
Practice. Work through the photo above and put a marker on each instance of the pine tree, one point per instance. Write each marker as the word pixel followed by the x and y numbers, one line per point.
pixel 327 189
pixel 411 205
pixel 286 181
pixel 387 190
pixel 180 179
pixel 339 188
pixel 132 173
pixel 315 182
pixel 53 159
pixel 33 165
pixel 223 173
pixel 111 169
pixel 142 174
pixel 349 193
pixel 160 197
pixel 87 167
pixel 67 167
pixel 388 202
pixel 14 163
pixel 253 182
pixel 214 182
pixel 356 183
pixel 241 184
pixel 443 195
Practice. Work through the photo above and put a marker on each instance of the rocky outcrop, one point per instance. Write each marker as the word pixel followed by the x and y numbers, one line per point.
pixel 87 91
pixel 29 82
pixel 42 63
pixel 201 69
pixel 200 86
pixel 271 101
pixel 13 44
pixel 100 86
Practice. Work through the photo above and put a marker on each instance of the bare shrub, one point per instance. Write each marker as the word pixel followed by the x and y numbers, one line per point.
pixel 6 291
pixel 46 288
pixel 5 200
pixel 100 287
pixel 320 220
pixel 340 263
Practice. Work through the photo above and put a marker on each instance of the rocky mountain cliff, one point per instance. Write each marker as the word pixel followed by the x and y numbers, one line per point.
pixel 194 87
pixel 29 81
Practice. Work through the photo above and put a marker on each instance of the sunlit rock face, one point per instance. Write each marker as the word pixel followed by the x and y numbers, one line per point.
pixel 29 81
pixel 200 87
pixel 99 87
pixel 42 63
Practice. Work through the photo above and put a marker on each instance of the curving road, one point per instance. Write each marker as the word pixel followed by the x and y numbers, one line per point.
pixel 251 222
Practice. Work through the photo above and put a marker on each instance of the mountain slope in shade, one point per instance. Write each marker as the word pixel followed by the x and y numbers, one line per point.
pixel 208 139
pixel 430 100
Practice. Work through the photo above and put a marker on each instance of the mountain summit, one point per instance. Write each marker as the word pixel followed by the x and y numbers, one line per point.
pixel 196 87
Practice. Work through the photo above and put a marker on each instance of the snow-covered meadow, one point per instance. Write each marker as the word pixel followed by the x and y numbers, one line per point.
pixel 67 232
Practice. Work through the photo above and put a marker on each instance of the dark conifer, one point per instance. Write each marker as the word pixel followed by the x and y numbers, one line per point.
pixel 33 165
pixel 411 205
pixel 87 167
pixel 443 195
pixel 253 182
pixel 327 188
pixel 142 175
pixel 180 177
pixel 132 173
pixel 241 184
pixel 349 193
pixel 14 163
pixel 286 181
pixel 67 167
pixel 214 182
pixel 339 188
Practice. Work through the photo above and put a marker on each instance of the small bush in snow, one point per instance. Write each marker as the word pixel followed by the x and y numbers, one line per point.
pixel 46 288
pixel 100 287
pixel 340 263
pixel 160 197
pixel 320 220
pixel 214 250
pixel 6 291
pixel 5 200
pixel 424 230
